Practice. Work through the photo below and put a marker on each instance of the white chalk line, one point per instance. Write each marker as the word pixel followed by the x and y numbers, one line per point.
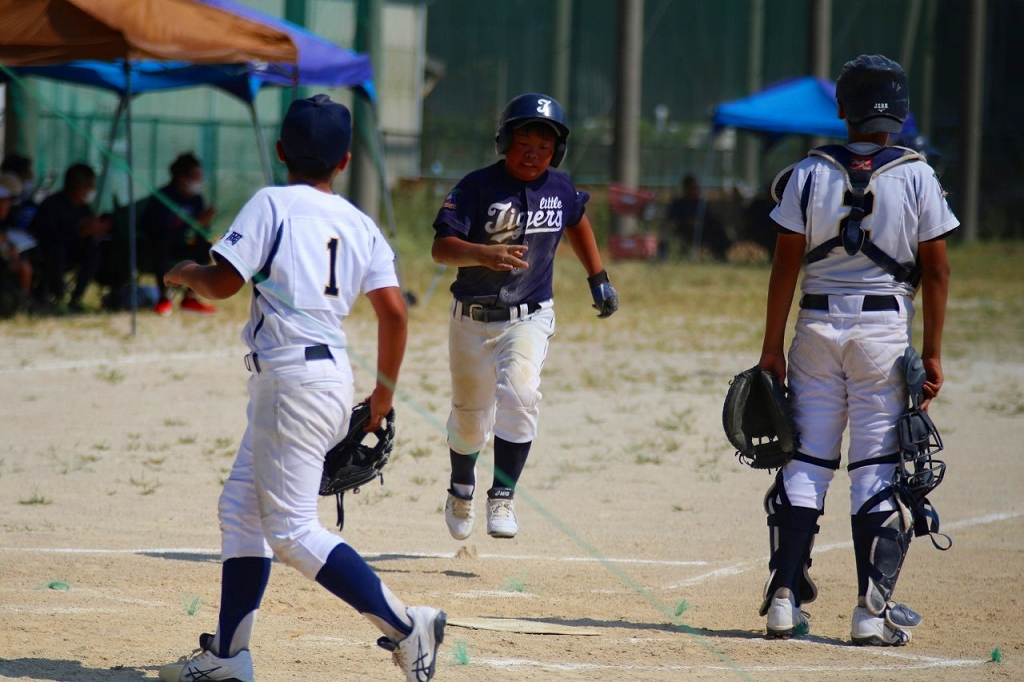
pixel 206 551
pixel 122 360
pixel 745 566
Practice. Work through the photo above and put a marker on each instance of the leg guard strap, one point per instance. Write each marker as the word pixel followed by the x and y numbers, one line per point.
pixel 880 544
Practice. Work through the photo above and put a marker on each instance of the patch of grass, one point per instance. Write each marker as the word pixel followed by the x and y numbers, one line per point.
pixel 111 376
pixel 679 420
pixel 35 498
pixel 423 480
pixel 221 443
pixel 191 604
pixel 682 607
pixel 514 585
pixel 642 458
pixel 419 452
pixel 175 422
pixel 146 487
pixel 102 447
pixel 460 653
pixel 186 440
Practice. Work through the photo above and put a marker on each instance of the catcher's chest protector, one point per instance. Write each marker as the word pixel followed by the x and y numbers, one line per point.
pixel 860 170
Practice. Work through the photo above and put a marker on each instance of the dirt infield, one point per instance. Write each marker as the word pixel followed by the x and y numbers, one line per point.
pixel 640 534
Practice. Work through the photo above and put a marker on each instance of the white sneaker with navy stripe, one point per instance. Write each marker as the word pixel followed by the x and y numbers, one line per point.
pixel 416 655
pixel 203 665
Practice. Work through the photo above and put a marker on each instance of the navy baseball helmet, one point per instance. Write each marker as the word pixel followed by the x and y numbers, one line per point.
pixel 874 93
pixel 532 106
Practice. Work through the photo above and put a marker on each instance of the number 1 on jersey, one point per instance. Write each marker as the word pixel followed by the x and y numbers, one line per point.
pixel 332 283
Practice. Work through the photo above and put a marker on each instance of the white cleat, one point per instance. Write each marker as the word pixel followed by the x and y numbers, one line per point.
pixel 203 666
pixel 416 655
pixel 501 518
pixel 458 514
pixel 785 619
pixel 872 630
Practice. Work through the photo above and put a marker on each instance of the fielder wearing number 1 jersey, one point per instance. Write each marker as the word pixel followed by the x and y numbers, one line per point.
pixel 866 223
pixel 309 254
pixel 501 226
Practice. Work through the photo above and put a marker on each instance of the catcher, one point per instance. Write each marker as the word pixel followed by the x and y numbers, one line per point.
pixel 867 225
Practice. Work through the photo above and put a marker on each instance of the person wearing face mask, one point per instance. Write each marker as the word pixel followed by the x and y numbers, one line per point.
pixel 68 233
pixel 176 223
pixel 23 204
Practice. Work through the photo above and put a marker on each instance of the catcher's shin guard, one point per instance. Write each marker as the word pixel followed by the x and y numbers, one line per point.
pixel 791 532
pixel 880 544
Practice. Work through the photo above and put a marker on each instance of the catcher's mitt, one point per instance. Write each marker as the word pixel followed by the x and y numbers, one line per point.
pixel 352 463
pixel 758 420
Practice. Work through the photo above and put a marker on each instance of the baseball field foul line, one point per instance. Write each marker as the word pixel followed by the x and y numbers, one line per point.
pixel 745 566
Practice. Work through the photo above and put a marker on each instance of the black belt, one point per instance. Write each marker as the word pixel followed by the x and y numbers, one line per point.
pixel 489 313
pixel 319 352
pixel 871 303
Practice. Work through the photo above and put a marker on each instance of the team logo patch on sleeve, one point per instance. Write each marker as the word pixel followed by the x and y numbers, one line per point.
pixel 449 201
pixel 233 238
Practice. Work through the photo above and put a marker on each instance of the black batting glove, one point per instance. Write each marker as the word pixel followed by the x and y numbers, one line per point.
pixel 606 299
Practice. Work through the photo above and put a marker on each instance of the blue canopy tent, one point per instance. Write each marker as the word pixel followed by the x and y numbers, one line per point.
pixel 320 62
pixel 802 106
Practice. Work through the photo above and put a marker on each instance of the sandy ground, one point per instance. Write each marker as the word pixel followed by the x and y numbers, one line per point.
pixel 632 510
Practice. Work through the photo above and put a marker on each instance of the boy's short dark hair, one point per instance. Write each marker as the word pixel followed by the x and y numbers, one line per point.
pixel 16 163
pixel 78 175
pixel 308 170
pixel 541 128
pixel 184 164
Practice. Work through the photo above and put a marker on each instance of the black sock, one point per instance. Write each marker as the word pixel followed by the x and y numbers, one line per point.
pixel 463 468
pixel 509 460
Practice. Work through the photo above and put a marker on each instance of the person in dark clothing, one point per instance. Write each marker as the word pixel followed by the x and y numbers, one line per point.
pixel 760 228
pixel 171 236
pixel 682 218
pixel 68 235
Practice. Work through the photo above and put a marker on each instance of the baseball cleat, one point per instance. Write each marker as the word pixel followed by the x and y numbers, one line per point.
pixel 416 655
pixel 204 665
pixel 872 630
pixel 458 514
pixel 501 517
pixel 785 619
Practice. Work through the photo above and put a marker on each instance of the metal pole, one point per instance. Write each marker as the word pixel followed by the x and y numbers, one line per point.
pixel 910 35
pixel 928 72
pixel 101 182
pixel 820 47
pixel 261 140
pixel 975 88
pixel 132 259
pixel 629 71
pixel 364 187
pixel 755 67
pixel 561 52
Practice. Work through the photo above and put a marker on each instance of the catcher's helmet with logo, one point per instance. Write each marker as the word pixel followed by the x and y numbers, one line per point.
pixel 532 106
pixel 874 93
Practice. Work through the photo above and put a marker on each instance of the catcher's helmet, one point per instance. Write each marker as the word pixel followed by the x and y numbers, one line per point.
pixel 352 463
pixel 523 109
pixel 874 93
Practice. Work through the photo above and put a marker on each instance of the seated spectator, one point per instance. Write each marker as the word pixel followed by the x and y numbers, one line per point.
pixel 24 206
pixel 759 227
pixel 68 233
pixel 684 214
pixel 171 237
pixel 15 286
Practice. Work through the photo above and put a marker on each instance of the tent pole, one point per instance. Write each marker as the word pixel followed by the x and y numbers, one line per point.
pixel 101 182
pixel 261 140
pixel 698 230
pixel 132 260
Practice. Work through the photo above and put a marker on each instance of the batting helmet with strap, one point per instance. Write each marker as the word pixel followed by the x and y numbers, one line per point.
pixel 874 94
pixel 527 108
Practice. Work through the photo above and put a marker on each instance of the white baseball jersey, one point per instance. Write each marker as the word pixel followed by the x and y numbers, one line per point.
pixel 908 206
pixel 310 254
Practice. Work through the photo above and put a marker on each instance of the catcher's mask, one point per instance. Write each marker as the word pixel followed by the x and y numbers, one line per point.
pixel 352 462
pixel 920 472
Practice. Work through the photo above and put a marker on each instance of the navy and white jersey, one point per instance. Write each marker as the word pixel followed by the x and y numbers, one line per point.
pixel 907 206
pixel 489 206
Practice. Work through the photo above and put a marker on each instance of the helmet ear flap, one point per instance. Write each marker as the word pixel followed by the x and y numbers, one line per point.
pixel 502 140
pixel 559 154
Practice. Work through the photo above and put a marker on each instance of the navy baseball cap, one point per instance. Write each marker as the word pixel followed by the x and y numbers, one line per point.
pixel 316 129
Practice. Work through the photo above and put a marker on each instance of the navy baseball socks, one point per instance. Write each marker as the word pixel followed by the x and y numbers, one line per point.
pixel 458 509
pixel 509 460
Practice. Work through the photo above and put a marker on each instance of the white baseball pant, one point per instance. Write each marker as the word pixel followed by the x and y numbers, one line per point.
pixel 298 409
pixel 495 369
pixel 843 370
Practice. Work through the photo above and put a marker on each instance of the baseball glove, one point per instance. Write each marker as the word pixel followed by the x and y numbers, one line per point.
pixel 758 420
pixel 352 463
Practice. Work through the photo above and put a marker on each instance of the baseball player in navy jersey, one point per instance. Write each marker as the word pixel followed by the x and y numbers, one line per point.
pixel 501 226
pixel 309 254
pixel 867 225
